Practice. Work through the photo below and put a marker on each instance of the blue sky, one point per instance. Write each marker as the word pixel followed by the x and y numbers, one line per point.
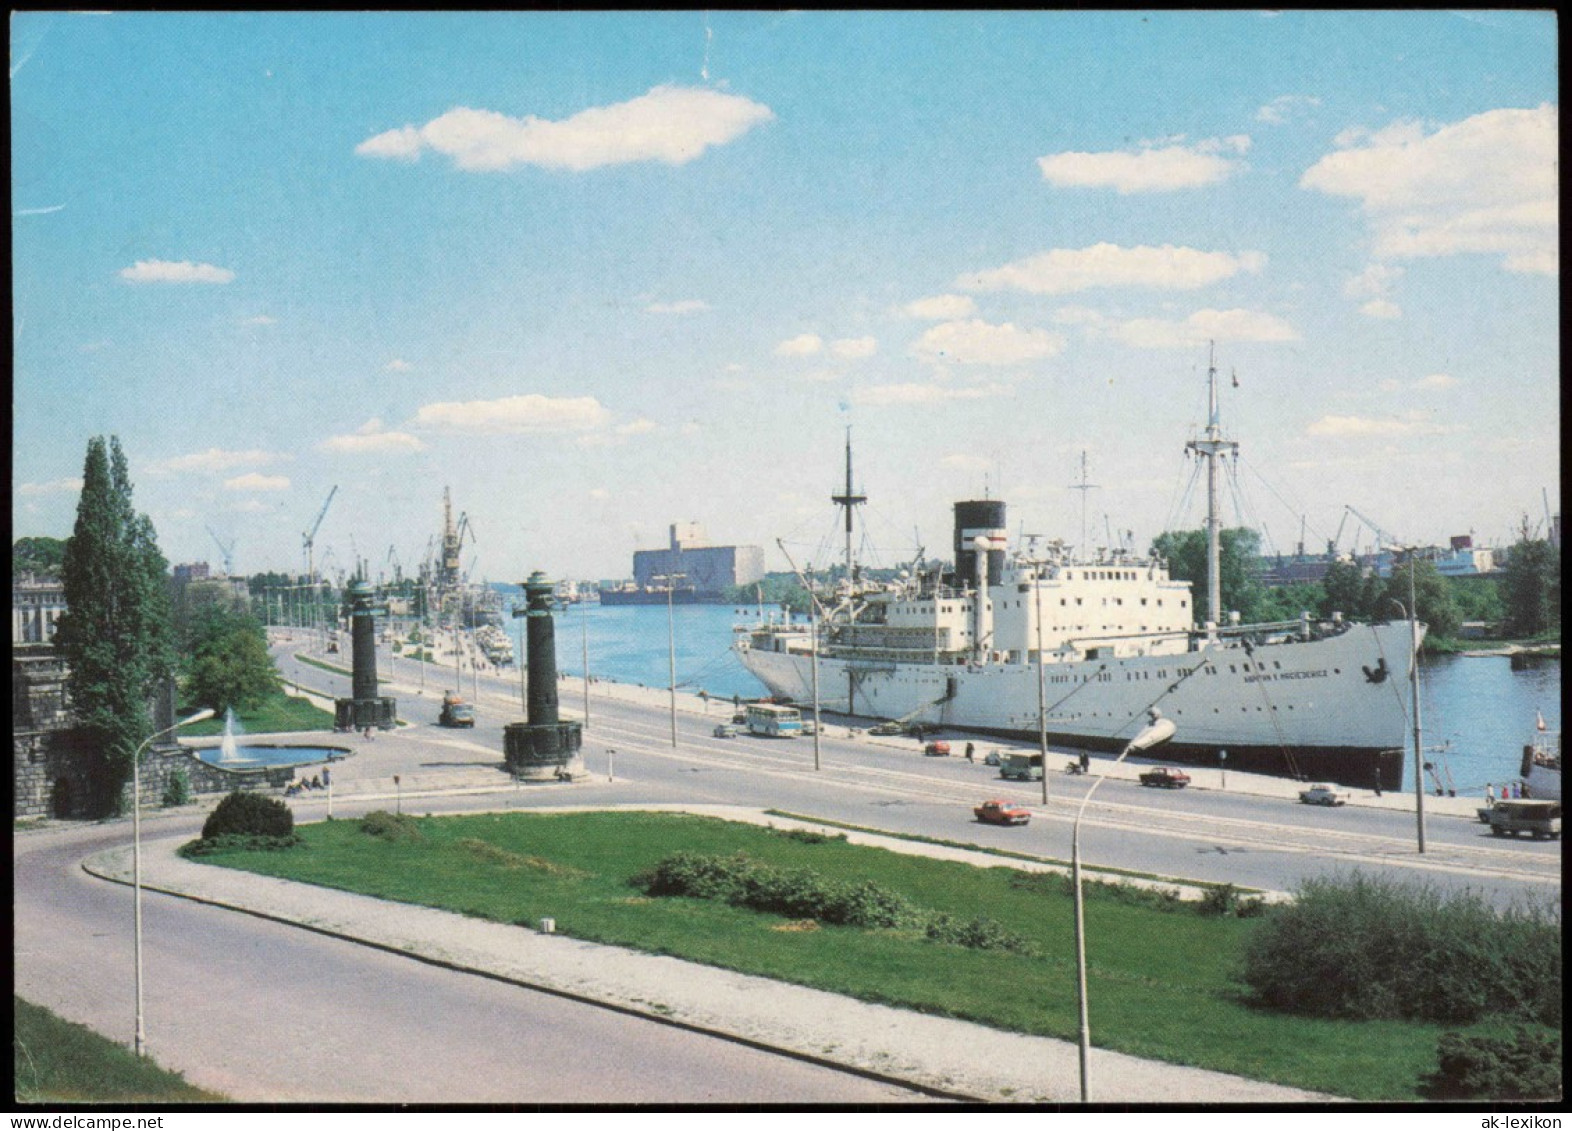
pixel 603 272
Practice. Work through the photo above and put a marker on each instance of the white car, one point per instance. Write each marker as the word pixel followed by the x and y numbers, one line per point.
pixel 994 758
pixel 1322 795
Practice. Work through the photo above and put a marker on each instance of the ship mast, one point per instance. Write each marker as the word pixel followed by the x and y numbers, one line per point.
pixel 1211 447
pixel 847 501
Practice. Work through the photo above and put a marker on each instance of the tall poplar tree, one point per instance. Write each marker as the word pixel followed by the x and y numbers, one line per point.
pixel 115 632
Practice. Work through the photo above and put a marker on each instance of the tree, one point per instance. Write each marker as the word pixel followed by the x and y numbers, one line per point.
pixel 1239 550
pixel 114 634
pixel 1345 591
pixel 1533 588
pixel 41 556
pixel 1432 597
pixel 229 664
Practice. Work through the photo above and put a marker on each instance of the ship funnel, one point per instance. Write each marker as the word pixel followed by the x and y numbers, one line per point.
pixel 980 519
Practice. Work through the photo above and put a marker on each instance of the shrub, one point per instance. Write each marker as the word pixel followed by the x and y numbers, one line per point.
pixel 1364 948
pixel 980 933
pixel 178 789
pixel 390 826
pixel 249 814
pixel 809 836
pixel 237 842
pixel 1524 1066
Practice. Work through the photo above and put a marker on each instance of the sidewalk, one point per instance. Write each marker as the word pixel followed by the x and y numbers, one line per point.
pixel 953 1058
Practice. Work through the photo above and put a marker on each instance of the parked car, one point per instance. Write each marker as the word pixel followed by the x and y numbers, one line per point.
pixel 725 730
pixel 1323 795
pixel 809 727
pixel 887 729
pixel 937 750
pixel 1166 777
pixel 1002 813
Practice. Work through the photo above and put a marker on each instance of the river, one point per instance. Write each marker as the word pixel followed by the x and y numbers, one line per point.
pixel 1476 712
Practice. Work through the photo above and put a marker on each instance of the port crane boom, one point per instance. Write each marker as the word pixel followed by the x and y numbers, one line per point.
pixel 228 551
pixel 310 537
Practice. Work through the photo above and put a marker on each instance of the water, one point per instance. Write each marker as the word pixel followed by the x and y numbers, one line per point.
pixel 1476 707
pixel 252 757
pixel 227 746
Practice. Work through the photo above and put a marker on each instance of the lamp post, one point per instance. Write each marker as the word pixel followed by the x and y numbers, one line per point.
pixel 136 859
pixel 671 580
pixel 813 613
pixel 1042 694
pixel 1156 731
pixel 1412 613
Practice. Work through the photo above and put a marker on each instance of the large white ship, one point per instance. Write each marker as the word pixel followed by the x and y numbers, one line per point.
pixel 1015 643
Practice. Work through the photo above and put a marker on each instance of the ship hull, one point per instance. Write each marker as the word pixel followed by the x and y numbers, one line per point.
pixel 1332 709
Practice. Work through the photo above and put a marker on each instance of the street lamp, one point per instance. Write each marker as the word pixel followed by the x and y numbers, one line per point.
pixel 671 580
pixel 1156 731
pixel 136 857
pixel 1412 615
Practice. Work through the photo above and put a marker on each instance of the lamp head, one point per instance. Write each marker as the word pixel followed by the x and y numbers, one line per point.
pixel 204 713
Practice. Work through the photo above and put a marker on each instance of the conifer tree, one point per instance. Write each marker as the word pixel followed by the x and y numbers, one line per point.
pixel 115 633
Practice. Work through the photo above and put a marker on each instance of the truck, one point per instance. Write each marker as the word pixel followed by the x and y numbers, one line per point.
pixel 455 712
pixel 1540 819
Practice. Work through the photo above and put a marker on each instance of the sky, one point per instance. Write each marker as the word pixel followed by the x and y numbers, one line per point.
pixel 598 273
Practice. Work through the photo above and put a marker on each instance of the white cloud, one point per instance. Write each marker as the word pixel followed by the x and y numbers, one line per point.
pixel 1363 426
pixel 1381 308
pixel 371 439
pixel 53 487
pixel 682 306
pixel 975 342
pixel 397 365
pixel 855 347
pixel 1486 185
pixel 669 124
pixel 802 345
pixel 941 307
pixel 215 459
pixel 1437 381
pixel 1204 326
pixel 926 394
pixel 635 427
pixel 819 375
pixel 1278 111
pixel 163 271
pixel 599 493
pixel 254 481
pixel 1064 270
pixel 529 412
pixel 1146 170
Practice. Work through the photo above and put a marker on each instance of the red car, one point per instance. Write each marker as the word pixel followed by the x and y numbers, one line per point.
pixel 1002 813
pixel 1165 777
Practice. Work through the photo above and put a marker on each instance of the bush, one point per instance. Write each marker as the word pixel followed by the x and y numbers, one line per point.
pixel 1524 1066
pixel 249 814
pixel 980 933
pixel 237 842
pixel 1366 948
pixel 178 790
pixel 390 826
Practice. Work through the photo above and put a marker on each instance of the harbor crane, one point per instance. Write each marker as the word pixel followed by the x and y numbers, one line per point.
pixel 310 536
pixel 228 551
pixel 1384 539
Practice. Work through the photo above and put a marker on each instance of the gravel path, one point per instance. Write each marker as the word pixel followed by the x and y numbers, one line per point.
pixel 954 1057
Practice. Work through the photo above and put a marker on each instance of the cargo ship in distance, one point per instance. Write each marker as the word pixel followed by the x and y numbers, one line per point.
pixel 1085 647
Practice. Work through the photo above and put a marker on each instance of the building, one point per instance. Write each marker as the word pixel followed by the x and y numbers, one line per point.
pixel 36 604
pixel 708 570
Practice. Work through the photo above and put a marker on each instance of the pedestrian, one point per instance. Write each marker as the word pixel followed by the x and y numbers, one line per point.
pixel 970 751
pixel 1086 761
pixel 367 735
pixel 327 777
pixel 1490 794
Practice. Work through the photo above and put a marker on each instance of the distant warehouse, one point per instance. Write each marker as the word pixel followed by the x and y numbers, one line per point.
pixel 708 570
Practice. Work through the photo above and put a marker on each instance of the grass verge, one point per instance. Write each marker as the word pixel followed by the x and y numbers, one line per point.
pixel 1163 980
pixel 58 1061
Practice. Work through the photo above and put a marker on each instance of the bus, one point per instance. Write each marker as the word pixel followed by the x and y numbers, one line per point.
pixel 774 720
pixel 1022 767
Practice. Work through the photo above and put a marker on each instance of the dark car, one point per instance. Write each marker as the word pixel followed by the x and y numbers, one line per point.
pixel 1165 777
pixel 887 730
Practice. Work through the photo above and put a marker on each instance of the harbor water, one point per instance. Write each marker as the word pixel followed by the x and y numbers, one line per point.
pixel 1476 712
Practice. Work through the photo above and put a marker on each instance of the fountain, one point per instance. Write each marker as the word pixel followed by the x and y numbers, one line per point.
pixel 253 756
pixel 226 748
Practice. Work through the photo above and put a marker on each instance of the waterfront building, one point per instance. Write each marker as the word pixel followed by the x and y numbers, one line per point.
pixel 708 570
pixel 36 605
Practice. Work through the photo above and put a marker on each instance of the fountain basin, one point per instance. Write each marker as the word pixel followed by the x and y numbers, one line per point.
pixel 260 755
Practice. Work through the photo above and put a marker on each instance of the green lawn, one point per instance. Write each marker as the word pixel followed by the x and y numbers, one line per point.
pixel 279 714
pixel 1162 982
pixel 57 1061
